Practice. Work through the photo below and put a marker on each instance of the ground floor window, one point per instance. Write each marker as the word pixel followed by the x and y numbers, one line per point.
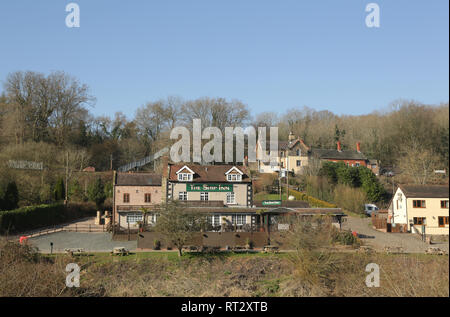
pixel 204 196
pixel 134 218
pixel 443 221
pixel 238 219
pixel 231 198
pixel 420 220
pixel 182 196
pixel 214 220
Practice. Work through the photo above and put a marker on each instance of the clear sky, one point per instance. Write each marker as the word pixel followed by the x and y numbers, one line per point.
pixel 273 55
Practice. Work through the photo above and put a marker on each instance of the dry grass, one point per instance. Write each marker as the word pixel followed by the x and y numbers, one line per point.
pixel 25 273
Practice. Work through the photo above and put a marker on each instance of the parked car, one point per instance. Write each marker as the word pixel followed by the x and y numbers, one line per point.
pixel 369 208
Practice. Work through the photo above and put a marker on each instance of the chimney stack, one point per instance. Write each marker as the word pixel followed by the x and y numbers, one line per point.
pixel 165 166
pixel 291 137
pixel 358 147
pixel 339 146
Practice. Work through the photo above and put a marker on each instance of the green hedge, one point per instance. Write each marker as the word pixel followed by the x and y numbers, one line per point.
pixel 313 202
pixel 28 218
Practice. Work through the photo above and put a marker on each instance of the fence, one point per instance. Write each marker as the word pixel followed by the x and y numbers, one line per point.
pixel 66 228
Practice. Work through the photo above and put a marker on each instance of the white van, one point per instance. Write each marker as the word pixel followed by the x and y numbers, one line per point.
pixel 369 208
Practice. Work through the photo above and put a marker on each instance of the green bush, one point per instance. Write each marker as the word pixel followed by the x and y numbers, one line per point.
pixel 28 218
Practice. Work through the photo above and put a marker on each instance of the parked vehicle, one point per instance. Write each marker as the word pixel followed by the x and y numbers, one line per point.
pixel 369 208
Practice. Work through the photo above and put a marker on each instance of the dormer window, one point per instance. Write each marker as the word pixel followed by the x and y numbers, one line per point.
pixel 234 177
pixel 185 177
pixel 185 174
pixel 234 174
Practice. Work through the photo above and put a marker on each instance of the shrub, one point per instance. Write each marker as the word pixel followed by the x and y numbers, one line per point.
pixel 59 190
pixel 351 199
pixel 28 218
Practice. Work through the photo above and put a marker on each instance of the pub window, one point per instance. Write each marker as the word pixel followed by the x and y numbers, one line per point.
pixel 126 198
pixel 444 204
pixel 231 198
pixel 443 221
pixel 148 198
pixel 234 177
pixel 419 220
pixel 133 218
pixel 419 203
pixel 238 219
pixel 182 196
pixel 185 177
pixel 204 196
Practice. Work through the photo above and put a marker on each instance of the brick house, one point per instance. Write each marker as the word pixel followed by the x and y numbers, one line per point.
pixel 132 193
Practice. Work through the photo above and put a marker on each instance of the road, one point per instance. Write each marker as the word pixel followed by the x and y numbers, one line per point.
pixel 409 242
pixel 90 242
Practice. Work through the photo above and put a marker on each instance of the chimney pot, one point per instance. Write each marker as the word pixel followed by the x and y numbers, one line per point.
pixel 339 146
pixel 358 147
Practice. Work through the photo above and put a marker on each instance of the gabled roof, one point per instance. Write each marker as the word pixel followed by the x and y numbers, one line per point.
pixel 138 179
pixel 425 191
pixel 208 173
pixel 234 168
pixel 339 155
pixel 183 168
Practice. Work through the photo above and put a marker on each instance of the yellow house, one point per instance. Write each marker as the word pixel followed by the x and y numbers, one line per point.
pixel 421 207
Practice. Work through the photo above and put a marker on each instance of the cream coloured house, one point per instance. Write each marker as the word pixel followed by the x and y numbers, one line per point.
pixel 421 206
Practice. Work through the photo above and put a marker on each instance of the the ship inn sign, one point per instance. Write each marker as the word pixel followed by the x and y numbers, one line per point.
pixel 209 187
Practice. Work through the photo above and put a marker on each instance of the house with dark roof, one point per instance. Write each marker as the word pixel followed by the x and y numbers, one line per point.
pixel 134 193
pixel 294 155
pixel 423 208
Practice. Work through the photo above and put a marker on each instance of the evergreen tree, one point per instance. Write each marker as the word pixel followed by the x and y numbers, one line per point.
pixel 59 190
pixel 96 193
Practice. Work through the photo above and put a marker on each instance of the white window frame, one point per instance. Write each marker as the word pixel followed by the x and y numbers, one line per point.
pixel 214 220
pixel 183 196
pixel 234 178
pixel 133 218
pixel 185 177
pixel 231 198
pixel 204 196
pixel 239 220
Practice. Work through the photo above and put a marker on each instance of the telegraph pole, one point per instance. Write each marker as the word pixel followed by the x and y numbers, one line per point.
pixel 67 176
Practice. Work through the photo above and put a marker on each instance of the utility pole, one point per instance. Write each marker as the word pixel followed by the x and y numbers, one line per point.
pixel 110 160
pixel 287 174
pixel 67 177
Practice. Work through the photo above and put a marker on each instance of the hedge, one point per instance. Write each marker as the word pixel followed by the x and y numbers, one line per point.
pixel 28 218
pixel 314 202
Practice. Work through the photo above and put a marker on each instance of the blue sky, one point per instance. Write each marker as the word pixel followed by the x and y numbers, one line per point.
pixel 272 55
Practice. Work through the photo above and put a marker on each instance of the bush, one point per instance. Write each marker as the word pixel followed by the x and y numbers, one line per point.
pixel 59 190
pixel 28 218
pixel 346 238
pixel 314 202
pixel 351 199
pixel 10 198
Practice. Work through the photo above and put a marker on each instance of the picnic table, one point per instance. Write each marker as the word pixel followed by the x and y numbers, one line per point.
pixel 72 251
pixel 120 251
pixel 270 248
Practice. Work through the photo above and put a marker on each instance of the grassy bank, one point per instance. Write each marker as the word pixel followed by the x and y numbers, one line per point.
pixel 25 273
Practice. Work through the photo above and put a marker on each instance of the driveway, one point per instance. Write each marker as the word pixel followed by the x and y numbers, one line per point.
pixel 90 242
pixel 410 243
